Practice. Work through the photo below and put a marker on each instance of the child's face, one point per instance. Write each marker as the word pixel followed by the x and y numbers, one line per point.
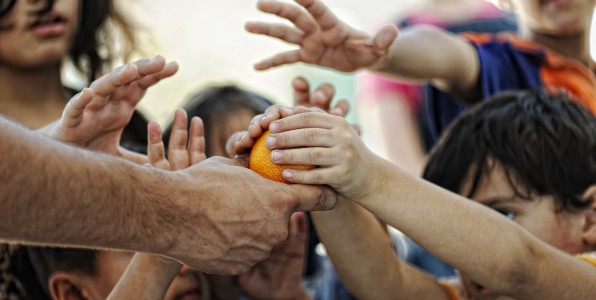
pixel 220 132
pixel 555 17
pixel 28 40
pixel 538 215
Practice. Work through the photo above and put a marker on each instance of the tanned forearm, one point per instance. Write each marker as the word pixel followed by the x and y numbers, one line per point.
pixel 55 194
pixel 478 241
pixel 431 54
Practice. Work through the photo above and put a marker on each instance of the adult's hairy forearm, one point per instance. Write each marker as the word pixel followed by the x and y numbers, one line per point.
pixel 56 194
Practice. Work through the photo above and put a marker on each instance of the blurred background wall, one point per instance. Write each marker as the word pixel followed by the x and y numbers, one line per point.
pixel 207 38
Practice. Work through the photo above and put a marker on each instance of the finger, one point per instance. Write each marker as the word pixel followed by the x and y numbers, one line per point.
pixel 282 32
pixel 303 109
pixel 290 12
pixel 155 147
pixel 107 84
pixel 272 113
pixel 385 37
pixel 305 120
pixel 341 108
pixel 168 70
pixel 254 127
pixel 317 176
pixel 196 141
pixel 298 229
pixel 322 15
pixel 314 156
pixel 323 95
pixel 75 108
pixel 232 141
pixel 301 89
pixel 177 151
pixel 244 145
pixel 147 66
pixel 312 197
pixel 284 58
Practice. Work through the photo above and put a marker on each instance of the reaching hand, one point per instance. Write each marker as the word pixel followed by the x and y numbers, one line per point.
pixel 322 38
pixel 320 99
pixel 184 149
pixel 327 141
pixel 280 275
pixel 96 117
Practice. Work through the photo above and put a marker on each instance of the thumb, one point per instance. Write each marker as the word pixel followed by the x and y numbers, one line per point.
pixel 311 197
pixel 385 37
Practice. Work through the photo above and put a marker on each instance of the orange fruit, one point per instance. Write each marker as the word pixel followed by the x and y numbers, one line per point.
pixel 260 161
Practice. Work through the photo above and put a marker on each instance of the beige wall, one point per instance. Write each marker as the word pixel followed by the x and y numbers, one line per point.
pixel 207 38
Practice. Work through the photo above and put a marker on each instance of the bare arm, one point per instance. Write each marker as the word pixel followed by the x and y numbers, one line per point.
pixel 420 53
pixel 492 250
pixel 215 216
pixel 470 237
pixel 363 257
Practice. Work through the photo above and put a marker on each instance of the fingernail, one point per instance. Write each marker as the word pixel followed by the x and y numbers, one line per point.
pixel 287 174
pixel 273 127
pixel 275 155
pixel 270 141
pixel 319 96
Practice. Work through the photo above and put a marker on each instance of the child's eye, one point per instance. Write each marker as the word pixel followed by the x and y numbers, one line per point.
pixel 507 213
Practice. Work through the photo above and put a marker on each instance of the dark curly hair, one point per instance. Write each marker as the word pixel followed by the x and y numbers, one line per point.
pixel 545 141
pixel 92 49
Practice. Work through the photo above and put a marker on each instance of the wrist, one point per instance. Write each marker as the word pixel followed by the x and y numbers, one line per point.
pixel 155 209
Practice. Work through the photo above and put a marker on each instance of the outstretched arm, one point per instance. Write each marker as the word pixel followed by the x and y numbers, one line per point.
pixel 55 194
pixel 362 254
pixel 420 53
pixel 492 250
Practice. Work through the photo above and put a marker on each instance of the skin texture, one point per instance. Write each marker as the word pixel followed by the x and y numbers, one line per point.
pixel 461 232
pixel 419 52
pixel 186 148
pixel 118 190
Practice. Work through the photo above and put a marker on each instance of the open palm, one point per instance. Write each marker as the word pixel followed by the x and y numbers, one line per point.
pixel 322 38
pixel 96 117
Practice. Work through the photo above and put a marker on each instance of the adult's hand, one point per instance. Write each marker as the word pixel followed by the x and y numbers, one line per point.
pixel 280 275
pixel 230 217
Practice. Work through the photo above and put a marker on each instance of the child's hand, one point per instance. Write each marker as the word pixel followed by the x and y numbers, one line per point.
pixel 241 142
pixel 327 141
pixel 321 97
pixel 184 149
pixel 323 39
pixel 96 117
pixel 280 275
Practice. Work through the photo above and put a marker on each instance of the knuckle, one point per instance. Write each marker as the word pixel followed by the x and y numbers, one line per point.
pixel 317 178
pixel 314 155
pixel 305 118
pixel 310 136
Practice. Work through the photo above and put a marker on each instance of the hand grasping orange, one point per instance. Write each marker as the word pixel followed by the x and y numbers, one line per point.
pixel 260 161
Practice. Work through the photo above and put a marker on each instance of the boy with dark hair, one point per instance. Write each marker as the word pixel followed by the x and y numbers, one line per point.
pixel 527 155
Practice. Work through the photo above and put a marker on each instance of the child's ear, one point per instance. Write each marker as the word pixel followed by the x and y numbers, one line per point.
pixel 65 286
pixel 589 232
